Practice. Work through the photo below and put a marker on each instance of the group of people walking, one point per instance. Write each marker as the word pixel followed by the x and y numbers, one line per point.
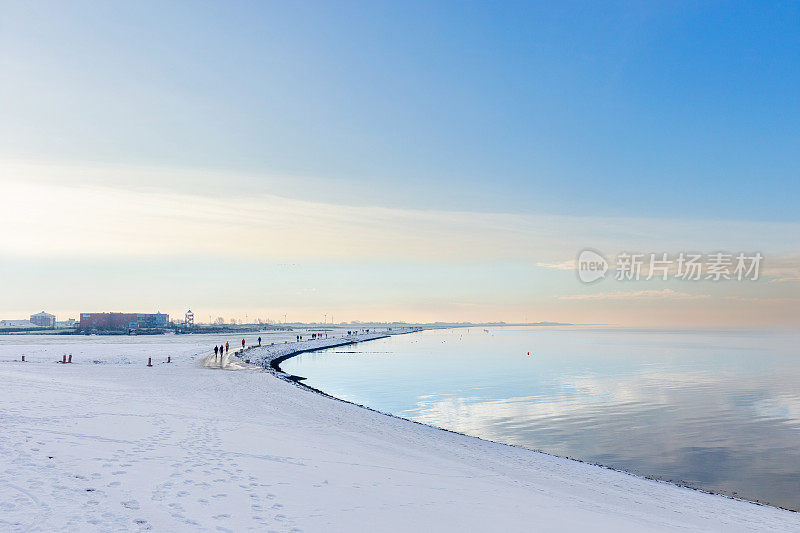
pixel 314 336
pixel 222 349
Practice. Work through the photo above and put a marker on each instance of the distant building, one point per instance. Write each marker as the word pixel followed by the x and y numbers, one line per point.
pixel 68 323
pixel 123 321
pixel 188 320
pixel 45 320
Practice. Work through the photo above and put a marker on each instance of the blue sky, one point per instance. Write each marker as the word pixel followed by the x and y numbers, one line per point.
pixel 682 111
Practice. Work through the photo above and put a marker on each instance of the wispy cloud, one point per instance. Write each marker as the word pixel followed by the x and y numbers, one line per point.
pixel 789 279
pixel 66 210
pixel 562 265
pixel 763 300
pixel 663 294
pixel 499 265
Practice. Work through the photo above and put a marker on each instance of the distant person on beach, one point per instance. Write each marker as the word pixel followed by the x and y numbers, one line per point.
pixel 215 352
pixel 227 347
pixel 259 341
pixel 242 343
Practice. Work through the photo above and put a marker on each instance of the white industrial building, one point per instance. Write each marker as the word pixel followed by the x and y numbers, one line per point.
pixel 45 320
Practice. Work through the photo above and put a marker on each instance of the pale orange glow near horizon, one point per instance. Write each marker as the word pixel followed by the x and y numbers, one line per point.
pixel 105 245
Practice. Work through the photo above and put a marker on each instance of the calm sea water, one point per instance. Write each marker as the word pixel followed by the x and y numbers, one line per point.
pixel 717 410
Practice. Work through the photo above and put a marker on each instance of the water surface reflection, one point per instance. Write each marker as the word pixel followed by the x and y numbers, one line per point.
pixel 719 410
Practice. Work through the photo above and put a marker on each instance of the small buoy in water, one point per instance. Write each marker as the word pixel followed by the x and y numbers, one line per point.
pixel 529 353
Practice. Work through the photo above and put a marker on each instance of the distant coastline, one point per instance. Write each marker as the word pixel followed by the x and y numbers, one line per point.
pixel 200 329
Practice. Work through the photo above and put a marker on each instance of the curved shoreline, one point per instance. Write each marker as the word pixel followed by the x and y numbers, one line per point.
pixel 180 448
pixel 276 362
pixel 273 355
pixel 274 366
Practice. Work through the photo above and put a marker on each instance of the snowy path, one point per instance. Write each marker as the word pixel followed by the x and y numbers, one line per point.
pixel 263 355
pixel 108 444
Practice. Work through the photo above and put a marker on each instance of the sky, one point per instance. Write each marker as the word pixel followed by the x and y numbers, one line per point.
pixel 397 161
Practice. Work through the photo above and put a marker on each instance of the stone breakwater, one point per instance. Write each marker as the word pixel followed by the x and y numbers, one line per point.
pixel 272 355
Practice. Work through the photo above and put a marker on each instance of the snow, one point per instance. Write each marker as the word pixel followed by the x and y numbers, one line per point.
pixel 20 324
pixel 108 444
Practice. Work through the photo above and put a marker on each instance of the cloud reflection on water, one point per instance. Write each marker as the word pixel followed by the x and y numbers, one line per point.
pixel 718 410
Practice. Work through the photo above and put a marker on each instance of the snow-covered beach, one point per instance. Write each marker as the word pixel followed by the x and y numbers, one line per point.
pixel 108 444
